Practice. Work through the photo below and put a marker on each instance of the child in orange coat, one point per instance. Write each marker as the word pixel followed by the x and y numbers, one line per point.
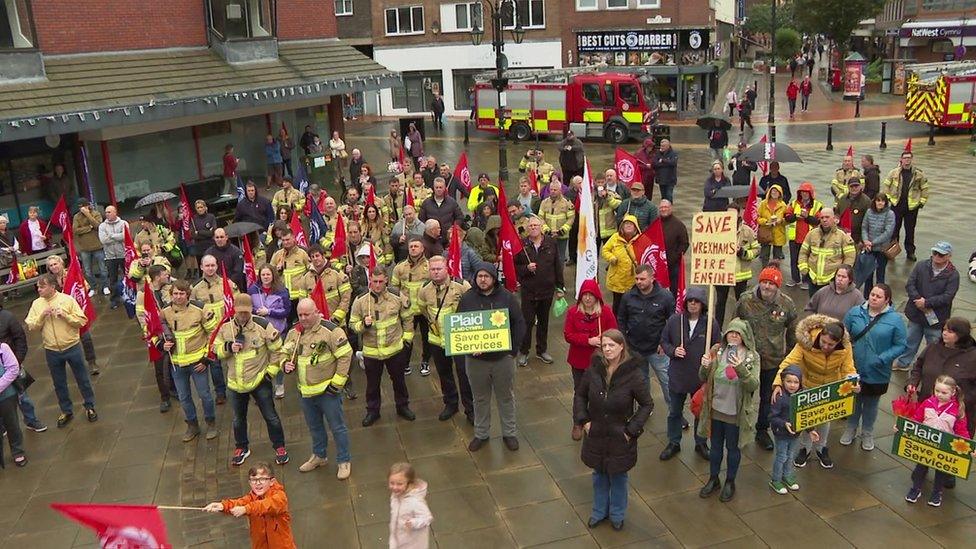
pixel 266 507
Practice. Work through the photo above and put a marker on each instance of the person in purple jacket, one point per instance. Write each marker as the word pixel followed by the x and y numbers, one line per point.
pixel 271 302
pixel 8 405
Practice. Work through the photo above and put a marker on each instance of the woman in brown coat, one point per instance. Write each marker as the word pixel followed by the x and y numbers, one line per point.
pixel 604 406
pixel 955 356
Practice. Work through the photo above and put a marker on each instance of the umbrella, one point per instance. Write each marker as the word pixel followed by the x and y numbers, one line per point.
pixel 707 122
pixel 241 228
pixel 154 198
pixel 780 152
pixel 733 191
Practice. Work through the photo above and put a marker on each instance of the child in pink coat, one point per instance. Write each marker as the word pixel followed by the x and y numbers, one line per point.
pixel 943 411
pixel 410 517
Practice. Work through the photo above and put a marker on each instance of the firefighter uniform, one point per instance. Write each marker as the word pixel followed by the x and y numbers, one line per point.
pixel 338 291
pixel 293 266
pixel 164 378
pixel 188 326
pixel 838 185
pixel 291 198
pixel 558 216
pixel 436 301
pixel 210 292
pixel 383 343
pixel 392 207
pixel 139 273
pixel 250 371
pixel 409 276
pixel 822 253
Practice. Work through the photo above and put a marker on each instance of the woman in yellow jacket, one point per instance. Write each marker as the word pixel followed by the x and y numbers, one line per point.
pixel 824 354
pixel 619 253
pixel 772 224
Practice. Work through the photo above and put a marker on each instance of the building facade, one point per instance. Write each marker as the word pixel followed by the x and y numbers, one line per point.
pixel 928 31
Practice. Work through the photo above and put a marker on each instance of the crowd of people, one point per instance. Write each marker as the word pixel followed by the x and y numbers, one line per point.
pixel 379 275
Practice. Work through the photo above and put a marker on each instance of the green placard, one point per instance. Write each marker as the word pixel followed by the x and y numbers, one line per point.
pixel 937 449
pixel 477 332
pixel 811 407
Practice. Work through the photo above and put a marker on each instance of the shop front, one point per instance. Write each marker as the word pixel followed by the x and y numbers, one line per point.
pixel 934 41
pixel 679 60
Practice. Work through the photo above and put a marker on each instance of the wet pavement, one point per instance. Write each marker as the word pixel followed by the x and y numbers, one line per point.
pixel 537 496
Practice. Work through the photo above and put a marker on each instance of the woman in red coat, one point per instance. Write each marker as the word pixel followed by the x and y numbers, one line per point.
pixel 792 90
pixel 585 321
pixel 32 233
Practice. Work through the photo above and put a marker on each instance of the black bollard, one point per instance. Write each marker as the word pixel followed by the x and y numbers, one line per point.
pixel 931 135
pixel 830 137
pixel 884 130
pixel 857 109
pixel 466 141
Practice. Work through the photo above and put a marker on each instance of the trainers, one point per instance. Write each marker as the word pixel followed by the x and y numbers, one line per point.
pixel 192 431
pixel 522 360
pixel 106 291
pixel 867 441
pixel 21 461
pixel 93 368
pixel 801 458
pixel 804 286
pixel 91 292
pixel 791 483
pixel 545 357
pixel 239 456
pixel 778 487
pixel 424 369
pixel 313 463
pixel 408 370
pixel 37 427
pixel 824 459
pixel 92 415
pixel 344 470
pixel 899 367
pixel 281 456
pixel 848 437
pixel 64 419
pixel 791 283
pixel 913 495
pixel 280 391
pixel 935 500
pixel 164 406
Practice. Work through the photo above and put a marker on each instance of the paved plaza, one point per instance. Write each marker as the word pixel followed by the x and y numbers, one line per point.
pixel 538 496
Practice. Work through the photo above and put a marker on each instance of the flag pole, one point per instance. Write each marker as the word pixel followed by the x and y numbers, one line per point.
pixel 179 508
pixel 711 317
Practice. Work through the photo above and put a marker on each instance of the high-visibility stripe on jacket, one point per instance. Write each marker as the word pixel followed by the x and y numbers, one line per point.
pixel 392 323
pixel 746 238
pixel 296 264
pixel 188 323
pixel 558 215
pixel 210 292
pixel 438 301
pixel 246 368
pixel 821 254
pixel 321 355
pixel 409 276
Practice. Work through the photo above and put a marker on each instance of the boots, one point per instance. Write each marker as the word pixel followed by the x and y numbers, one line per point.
pixel 211 429
pixel 192 431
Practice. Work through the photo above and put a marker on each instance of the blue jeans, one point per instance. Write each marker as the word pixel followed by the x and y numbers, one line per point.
pixel 725 438
pixel 27 408
pixel 660 364
pixel 675 418
pixel 667 192
pixel 182 377
pixel 915 334
pixel 329 407
pixel 92 262
pixel 609 496
pixel 56 362
pixel 783 467
pixel 217 375
pixel 865 413
pixel 879 273
pixel 263 396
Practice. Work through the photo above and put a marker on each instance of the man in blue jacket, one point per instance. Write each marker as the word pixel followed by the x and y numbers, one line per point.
pixel 643 312
pixel 931 288
pixel 665 164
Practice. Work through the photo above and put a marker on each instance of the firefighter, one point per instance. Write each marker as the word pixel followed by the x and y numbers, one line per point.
pixel 320 351
pixel 292 264
pixel 160 285
pixel 186 336
pixel 209 291
pixel 383 320
pixel 147 258
pixel 838 185
pixel 248 343
pixel 557 213
pixel 408 276
pixel 288 197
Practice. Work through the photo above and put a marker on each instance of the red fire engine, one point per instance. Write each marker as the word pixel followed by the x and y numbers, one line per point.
pixel 613 105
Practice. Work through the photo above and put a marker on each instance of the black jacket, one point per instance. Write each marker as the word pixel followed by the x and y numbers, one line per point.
pixel 718 138
pixel 232 259
pixel 548 274
pixel 448 213
pixel 768 180
pixel 642 318
pixel 872 181
pixel 665 167
pixel 429 175
pixel 202 227
pixel 742 170
pixel 257 211
pixel 356 169
pixel 683 372
pixel 610 411
pixel 938 291
pixel 12 333
pixel 499 298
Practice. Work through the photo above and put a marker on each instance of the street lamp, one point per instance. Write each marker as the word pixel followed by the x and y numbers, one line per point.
pixel 499 10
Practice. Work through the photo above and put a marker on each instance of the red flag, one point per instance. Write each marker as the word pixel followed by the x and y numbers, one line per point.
pixel 60 217
pixel 462 173
pixel 249 273
pixel 402 161
pixel 318 296
pixel 185 215
pixel 846 221
pixel 119 526
pixel 408 197
pixel 154 324
pixel 372 259
pixel 767 153
pixel 454 253
pixel 299 232
pixel 908 146
pixel 750 214
pixel 14 276
pixel 228 311
pixel 625 165
pixel 850 151
pixel 76 287
pixel 649 249
pixel 679 300
pixel 339 240
pixel 509 243
pixel 371 196
pixel 534 182
pixel 171 221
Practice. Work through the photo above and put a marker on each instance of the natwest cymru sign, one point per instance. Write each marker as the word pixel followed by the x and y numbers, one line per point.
pixel 954 31
pixel 612 40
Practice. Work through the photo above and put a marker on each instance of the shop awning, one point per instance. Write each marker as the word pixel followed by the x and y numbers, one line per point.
pixel 92 92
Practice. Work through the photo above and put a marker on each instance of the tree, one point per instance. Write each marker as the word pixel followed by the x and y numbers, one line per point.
pixel 788 42
pixel 837 19
pixel 759 17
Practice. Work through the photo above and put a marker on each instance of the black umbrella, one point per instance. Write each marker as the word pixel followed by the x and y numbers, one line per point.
pixel 241 228
pixel 768 152
pixel 707 122
pixel 154 198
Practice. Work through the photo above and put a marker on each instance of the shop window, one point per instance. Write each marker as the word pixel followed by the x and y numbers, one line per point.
pixel 617 4
pixel 237 19
pixel 586 5
pixel 16 25
pixel 942 46
pixel 530 13
pixel 463 83
pixel 343 7
pixel 417 91
pixel 405 20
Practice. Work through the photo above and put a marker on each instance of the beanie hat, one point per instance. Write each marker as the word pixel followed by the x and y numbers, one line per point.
pixel 772 274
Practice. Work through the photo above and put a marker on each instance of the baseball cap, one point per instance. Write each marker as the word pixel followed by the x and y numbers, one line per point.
pixel 942 248
pixel 637 186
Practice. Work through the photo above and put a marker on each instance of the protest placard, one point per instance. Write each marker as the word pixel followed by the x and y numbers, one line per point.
pixel 713 248
pixel 933 448
pixel 477 332
pixel 811 407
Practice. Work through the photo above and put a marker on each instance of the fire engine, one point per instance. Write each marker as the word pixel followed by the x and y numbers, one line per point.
pixel 941 94
pixel 611 105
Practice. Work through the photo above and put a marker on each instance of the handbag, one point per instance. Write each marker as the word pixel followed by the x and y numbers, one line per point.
pixel 765 234
pixel 23 381
pixel 698 399
pixel 892 250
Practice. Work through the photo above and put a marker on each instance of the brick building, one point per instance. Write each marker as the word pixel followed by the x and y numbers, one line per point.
pixel 928 30
pixel 135 97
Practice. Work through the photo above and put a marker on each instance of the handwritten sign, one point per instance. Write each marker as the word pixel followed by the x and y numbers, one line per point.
pixel 812 407
pixel 933 448
pixel 713 247
pixel 477 332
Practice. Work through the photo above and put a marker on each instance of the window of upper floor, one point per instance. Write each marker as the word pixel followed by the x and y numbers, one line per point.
pixel 461 17
pixel 343 7
pixel 16 25
pixel 947 5
pixel 593 5
pixel 405 20
pixel 242 19
pixel 531 14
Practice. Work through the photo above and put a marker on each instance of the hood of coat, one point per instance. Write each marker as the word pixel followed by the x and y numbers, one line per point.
pixel 488 268
pixel 778 188
pixel 416 493
pixel 698 294
pixel 590 286
pixel 475 236
pixel 631 218
pixel 806 187
pixel 792 369
pixel 808 330
pixel 631 364
pixel 744 330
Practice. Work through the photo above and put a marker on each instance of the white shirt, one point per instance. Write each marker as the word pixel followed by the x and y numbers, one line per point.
pixel 691 326
pixel 731 97
pixel 37 237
